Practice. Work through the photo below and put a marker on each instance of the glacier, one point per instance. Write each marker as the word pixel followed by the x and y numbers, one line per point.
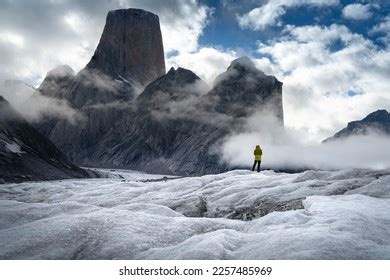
pixel 342 214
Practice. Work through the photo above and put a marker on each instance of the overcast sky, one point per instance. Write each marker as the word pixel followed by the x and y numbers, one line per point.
pixel 333 56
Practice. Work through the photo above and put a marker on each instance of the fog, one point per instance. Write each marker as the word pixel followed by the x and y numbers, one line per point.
pixel 287 148
pixel 33 106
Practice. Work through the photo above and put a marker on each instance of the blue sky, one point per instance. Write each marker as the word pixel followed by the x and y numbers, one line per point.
pixel 223 29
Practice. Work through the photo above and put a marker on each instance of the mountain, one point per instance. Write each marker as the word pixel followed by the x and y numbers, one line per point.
pixel 376 122
pixel 128 57
pixel 167 131
pixel 243 89
pixel 130 47
pixel 25 154
pixel 136 116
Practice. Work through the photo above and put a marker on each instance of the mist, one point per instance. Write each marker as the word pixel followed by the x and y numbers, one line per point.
pixel 33 106
pixel 288 149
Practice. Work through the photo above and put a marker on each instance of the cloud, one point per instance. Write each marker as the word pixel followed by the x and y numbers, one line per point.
pixel 384 28
pixel 357 11
pixel 206 62
pixel 287 149
pixel 33 106
pixel 269 14
pixel 330 76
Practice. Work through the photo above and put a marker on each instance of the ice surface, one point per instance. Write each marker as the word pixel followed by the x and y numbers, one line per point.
pixel 235 215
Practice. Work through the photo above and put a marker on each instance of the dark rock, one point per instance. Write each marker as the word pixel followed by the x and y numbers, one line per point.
pixel 130 47
pixel 243 89
pixel 129 55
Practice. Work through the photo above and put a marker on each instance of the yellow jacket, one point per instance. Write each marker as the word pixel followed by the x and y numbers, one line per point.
pixel 258 153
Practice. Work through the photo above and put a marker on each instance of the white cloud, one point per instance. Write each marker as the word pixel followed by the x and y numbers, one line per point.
pixel 206 62
pixel 182 34
pixel 12 38
pixel 357 11
pixel 319 66
pixel 383 27
pixel 270 13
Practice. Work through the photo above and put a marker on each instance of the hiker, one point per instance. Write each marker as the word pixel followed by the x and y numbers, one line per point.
pixel 258 153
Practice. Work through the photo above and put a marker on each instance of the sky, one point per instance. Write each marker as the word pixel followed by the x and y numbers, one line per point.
pixel 333 56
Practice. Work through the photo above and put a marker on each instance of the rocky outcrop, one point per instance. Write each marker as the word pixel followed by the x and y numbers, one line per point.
pixel 377 122
pixel 129 56
pixel 26 155
pixel 244 89
pixel 166 131
pixel 130 47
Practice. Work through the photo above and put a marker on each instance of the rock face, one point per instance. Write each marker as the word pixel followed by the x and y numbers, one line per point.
pixel 25 154
pixel 243 89
pixel 167 132
pixel 130 47
pixel 173 125
pixel 377 122
pixel 129 55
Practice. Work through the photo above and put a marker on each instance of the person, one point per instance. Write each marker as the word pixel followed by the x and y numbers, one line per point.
pixel 258 153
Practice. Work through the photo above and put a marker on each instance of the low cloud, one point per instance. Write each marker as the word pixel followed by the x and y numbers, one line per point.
pixel 289 148
pixel 330 76
pixel 33 106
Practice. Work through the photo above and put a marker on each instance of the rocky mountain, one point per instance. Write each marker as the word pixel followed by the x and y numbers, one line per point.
pixel 136 116
pixel 130 47
pixel 377 122
pixel 129 56
pixel 243 89
pixel 25 154
pixel 167 132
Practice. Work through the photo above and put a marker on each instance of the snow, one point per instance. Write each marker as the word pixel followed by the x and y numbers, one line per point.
pixel 235 215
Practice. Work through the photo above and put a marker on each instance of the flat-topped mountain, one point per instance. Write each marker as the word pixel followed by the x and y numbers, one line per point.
pixel 130 47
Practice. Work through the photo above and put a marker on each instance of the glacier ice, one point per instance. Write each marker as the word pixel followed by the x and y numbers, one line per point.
pixel 235 215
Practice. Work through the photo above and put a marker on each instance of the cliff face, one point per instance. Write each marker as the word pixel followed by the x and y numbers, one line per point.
pixel 129 55
pixel 130 47
pixel 25 154
pixel 377 122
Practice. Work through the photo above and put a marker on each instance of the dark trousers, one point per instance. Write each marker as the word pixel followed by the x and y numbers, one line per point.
pixel 258 167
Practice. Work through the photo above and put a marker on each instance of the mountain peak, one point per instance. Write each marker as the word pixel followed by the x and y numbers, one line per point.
pixel 378 116
pixel 61 71
pixel 130 46
pixel 243 63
